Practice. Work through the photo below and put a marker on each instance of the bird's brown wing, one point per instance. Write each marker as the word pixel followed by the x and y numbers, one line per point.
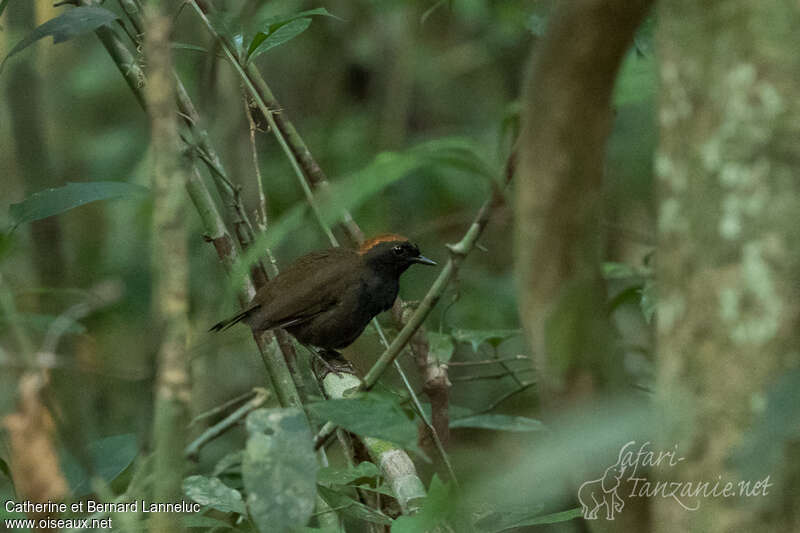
pixel 308 287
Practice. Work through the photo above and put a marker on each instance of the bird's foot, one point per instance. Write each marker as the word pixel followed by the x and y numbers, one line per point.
pixel 330 361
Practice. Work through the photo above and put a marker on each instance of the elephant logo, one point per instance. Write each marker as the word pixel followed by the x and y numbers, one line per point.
pixel 596 493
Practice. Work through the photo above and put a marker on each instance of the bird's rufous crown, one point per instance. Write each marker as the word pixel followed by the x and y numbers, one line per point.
pixel 385 237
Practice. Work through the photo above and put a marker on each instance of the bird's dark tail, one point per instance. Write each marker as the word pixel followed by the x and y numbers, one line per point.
pixel 225 324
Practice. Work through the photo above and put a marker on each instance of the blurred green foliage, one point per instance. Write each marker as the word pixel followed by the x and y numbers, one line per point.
pixel 408 106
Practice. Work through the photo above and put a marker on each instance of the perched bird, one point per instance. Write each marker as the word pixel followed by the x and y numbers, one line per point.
pixel 326 298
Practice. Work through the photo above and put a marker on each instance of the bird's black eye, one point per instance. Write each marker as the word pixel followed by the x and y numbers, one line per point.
pixel 398 250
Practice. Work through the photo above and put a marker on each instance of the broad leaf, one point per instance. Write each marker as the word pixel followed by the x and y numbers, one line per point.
pixel 51 202
pixel 363 472
pixel 350 507
pixel 498 422
pixel 212 492
pixel 505 520
pixel 476 337
pixel 369 415
pixel 441 346
pixel 263 42
pixel 274 31
pixel 279 469
pixel 69 24
pixel 110 456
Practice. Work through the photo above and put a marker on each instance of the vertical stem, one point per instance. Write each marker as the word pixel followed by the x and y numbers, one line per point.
pixel 170 262
pixel 36 170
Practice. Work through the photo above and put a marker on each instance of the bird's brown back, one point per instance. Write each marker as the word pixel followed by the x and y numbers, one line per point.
pixel 307 287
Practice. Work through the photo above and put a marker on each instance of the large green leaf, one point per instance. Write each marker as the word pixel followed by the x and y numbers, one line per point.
pixel 51 202
pixel 363 472
pixel 505 520
pixel 69 24
pixel 279 469
pixel 369 415
pixel 498 422
pixel 109 456
pixel 350 507
pixel 212 492
pixel 277 30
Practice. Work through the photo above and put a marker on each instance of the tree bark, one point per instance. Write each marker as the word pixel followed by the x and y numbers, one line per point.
pixel 729 252
pixel 566 122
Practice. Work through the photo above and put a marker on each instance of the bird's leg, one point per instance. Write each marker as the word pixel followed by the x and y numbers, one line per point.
pixel 327 361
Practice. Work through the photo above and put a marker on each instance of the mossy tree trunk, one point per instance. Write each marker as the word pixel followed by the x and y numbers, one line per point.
pixel 729 254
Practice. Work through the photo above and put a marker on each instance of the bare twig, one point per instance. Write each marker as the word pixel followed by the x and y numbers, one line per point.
pixel 193 449
pixel 497 375
pixel 519 357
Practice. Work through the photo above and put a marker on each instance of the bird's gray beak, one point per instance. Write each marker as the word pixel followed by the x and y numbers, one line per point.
pixel 422 260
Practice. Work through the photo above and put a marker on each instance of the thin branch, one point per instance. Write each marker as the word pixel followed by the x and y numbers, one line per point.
pixel 498 375
pixel 214 411
pixel 193 450
pixel 519 357
pixel 261 214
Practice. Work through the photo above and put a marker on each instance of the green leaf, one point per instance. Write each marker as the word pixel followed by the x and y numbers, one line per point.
pixel 499 422
pixel 69 24
pixel 371 416
pixel 434 511
pixel 212 492
pixel 441 346
pixel 505 520
pixel 476 337
pixel 51 202
pixel 263 41
pixel 349 507
pixel 42 323
pixel 3 5
pixel 280 29
pixel 363 472
pixel 109 456
pixel 279 469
